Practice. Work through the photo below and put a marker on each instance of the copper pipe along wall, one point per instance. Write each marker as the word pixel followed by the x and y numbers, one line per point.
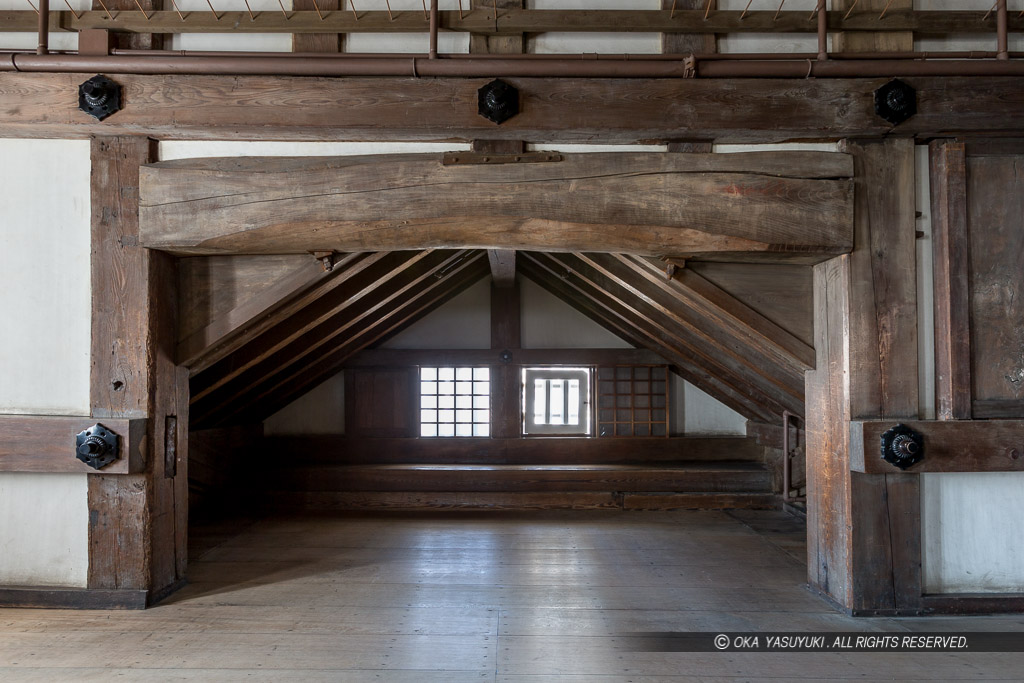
pixel 787 461
pixel 44 27
pixel 1002 40
pixel 823 31
pixel 607 56
pixel 433 29
pixel 273 65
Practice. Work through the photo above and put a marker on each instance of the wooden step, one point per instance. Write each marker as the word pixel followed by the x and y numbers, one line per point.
pixel 555 500
pixel 706 477
pixel 338 450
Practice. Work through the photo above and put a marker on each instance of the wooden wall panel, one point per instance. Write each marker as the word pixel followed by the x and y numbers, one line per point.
pixel 380 402
pixel 995 200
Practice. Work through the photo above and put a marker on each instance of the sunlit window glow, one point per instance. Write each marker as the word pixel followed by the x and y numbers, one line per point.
pixel 455 402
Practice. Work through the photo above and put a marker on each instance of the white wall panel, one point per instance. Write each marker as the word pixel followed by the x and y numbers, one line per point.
pixel 462 323
pixel 189 149
pixel 972 539
pixel 705 415
pixel 44 349
pixel 44 257
pixel 550 323
pixel 44 539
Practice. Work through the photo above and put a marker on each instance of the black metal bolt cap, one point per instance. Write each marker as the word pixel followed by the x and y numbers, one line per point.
pixel 498 101
pixel 96 446
pixel 896 101
pixel 99 96
pixel 902 447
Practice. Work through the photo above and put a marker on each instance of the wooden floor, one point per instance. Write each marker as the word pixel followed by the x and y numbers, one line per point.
pixel 454 597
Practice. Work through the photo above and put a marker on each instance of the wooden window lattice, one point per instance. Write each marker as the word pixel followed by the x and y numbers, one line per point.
pixel 632 400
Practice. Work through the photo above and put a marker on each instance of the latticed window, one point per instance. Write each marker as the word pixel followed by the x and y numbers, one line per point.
pixel 556 401
pixel 632 401
pixel 455 402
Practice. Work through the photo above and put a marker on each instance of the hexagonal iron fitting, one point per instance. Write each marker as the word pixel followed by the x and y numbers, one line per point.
pixel 902 447
pixel 96 446
pixel 99 96
pixel 498 101
pixel 896 101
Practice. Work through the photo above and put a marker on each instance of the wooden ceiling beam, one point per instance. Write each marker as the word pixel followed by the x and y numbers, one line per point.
pixel 727 312
pixel 649 330
pixel 772 204
pixel 317 324
pixel 689 17
pixel 503 267
pixel 239 323
pixel 293 376
pixel 742 366
pixel 183 107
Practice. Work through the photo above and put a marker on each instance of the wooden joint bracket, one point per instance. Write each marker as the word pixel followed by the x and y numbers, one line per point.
pixel 481 158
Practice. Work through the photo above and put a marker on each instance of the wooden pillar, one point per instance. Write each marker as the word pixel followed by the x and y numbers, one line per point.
pixel 317 42
pixel 505 380
pixel 863 530
pixel 133 41
pixel 688 43
pixel 137 522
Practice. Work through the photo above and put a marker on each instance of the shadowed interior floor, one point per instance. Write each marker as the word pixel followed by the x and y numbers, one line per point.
pixel 464 596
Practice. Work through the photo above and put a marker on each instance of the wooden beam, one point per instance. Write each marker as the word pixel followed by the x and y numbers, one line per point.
pixel 961 446
pixel 647 325
pixel 137 522
pixel 775 377
pixel 690 42
pixel 774 203
pixel 565 110
pixel 295 380
pixel 324 41
pixel 503 267
pixel 250 314
pixel 512 21
pixel 408 357
pixel 275 378
pixel 951 254
pixel 874 41
pixel 37 443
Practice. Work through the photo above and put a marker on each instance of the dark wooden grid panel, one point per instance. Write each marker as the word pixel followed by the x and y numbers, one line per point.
pixel 632 400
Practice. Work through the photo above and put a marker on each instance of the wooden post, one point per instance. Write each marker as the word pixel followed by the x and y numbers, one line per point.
pixel 505 336
pixel 317 42
pixel 137 522
pixel 863 536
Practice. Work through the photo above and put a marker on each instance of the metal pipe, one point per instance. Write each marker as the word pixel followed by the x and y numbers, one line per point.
pixel 433 29
pixel 738 56
pixel 1002 42
pixel 823 31
pixel 44 27
pixel 276 65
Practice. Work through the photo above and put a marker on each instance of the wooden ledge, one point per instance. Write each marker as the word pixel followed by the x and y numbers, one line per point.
pixel 42 443
pixel 949 446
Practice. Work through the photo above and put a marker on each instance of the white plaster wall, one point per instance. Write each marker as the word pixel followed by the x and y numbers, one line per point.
pixel 44 258
pixel 28 41
pixel 44 349
pixel 550 323
pixel 44 536
pixel 976 41
pixel 702 414
pixel 972 540
pixel 462 323
pixel 607 43
pixel 188 149
pixel 321 411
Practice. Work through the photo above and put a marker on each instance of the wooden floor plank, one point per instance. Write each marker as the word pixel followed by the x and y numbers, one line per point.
pixel 460 597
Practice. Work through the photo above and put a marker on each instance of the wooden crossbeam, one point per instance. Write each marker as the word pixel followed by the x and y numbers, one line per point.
pixel 948 446
pixel 566 110
pixel 775 205
pixel 510 21
pixel 44 443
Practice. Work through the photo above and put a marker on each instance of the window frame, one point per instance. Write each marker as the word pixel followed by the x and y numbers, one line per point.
pixel 455 395
pixel 586 424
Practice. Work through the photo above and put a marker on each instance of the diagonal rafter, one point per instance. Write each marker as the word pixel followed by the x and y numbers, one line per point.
pixel 620 316
pixel 721 350
pixel 296 353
